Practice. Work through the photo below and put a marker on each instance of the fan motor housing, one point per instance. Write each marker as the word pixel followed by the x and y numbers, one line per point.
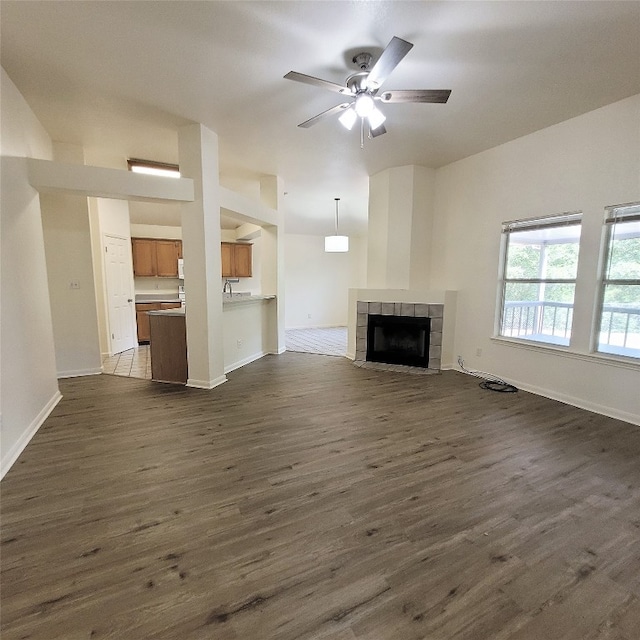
pixel 357 82
pixel 362 61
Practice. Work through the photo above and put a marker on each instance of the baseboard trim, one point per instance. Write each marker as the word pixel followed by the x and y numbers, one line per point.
pixel 578 402
pixel 603 410
pixel 78 373
pixel 245 361
pixel 206 384
pixel 13 454
pixel 317 326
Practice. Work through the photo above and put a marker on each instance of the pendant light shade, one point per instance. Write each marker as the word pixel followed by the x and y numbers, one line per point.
pixel 336 243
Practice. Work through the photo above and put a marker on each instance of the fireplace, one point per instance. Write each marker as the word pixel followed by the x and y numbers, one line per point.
pixel 418 329
pixel 398 340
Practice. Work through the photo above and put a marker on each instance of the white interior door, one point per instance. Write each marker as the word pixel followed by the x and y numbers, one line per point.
pixel 120 304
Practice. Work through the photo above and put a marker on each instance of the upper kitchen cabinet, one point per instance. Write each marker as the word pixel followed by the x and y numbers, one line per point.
pixel 236 260
pixel 167 254
pixel 153 257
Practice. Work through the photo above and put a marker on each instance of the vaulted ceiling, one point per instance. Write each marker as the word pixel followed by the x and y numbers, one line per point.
pixel 124 76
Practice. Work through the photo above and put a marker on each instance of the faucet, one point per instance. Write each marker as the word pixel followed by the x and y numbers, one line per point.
pixel 224 288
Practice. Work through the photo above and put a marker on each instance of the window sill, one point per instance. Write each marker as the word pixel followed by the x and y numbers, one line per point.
pixel 614 361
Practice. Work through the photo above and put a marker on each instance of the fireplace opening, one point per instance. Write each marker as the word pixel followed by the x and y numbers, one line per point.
pixel 398 340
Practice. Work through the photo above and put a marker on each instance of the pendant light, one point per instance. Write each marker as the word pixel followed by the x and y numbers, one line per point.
pixel 336 243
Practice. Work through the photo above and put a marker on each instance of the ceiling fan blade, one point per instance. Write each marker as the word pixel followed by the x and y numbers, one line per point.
pixel 317 82
pixel 378 131
pixel 417 95
pixel 388 61
pixel 311 121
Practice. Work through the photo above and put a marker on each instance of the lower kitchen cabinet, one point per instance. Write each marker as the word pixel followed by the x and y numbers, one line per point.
pixel 168 348
pixel 142 319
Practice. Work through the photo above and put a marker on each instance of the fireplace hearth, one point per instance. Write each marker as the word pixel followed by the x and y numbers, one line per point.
pixel 398 340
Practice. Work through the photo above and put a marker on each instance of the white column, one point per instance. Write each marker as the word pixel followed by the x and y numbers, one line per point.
pixel 399 233
pixel 198 154
pixel 272 256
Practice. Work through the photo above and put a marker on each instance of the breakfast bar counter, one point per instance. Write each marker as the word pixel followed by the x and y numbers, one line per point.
pixel 168 346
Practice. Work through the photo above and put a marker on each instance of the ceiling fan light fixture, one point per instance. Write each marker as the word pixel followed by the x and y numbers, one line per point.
pixel 364 105
pixel 376 118
pixel 348 118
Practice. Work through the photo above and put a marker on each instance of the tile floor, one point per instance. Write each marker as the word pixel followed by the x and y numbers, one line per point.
pixel 331 341
pixel 133 363
pixel 136 363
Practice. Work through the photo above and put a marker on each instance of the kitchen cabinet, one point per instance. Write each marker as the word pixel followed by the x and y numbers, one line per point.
pixel 168 347
pixel 156 257
pixel 237 260
pixel 142 319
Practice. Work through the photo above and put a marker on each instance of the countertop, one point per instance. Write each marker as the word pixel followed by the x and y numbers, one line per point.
pixel 168 312
pixel 141 298
pixel 226 302
pixel 233 300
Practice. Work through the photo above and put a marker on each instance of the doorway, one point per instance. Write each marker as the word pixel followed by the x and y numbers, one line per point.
pixel 119 291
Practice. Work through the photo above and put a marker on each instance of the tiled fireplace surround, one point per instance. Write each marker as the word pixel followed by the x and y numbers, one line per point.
pixel 417 310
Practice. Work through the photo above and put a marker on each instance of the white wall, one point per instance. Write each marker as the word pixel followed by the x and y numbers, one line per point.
pixel 317 283
pixel 65 222
pixel 163 232
pixel 246 332
pixel 585 163
pixel 28 382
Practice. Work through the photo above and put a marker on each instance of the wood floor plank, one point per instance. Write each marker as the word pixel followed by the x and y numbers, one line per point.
pixel 308 499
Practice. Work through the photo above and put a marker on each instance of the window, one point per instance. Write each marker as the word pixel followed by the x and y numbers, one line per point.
pixel 539 268
pixel 619 327
pixel 154 168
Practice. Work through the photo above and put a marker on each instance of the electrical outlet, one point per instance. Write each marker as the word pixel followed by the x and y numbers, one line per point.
pixel 308 316
pixel 478 352
pixel 239 343
pixel 74 284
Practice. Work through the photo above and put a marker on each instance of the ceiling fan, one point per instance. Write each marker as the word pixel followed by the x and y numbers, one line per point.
pixel 362 89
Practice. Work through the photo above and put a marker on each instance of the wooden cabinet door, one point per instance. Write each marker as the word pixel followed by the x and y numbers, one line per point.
pixel 242 260
pixel 227 260
pixel 167 252
pixel 142 319
pixel 144 257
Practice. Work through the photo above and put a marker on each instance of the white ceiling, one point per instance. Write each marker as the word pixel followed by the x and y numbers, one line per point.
pixel 123 76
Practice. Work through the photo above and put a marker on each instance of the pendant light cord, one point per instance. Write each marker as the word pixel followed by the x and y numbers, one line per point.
pixel 337 200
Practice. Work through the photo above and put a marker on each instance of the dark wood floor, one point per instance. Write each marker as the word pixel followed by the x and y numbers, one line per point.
pixel 310 499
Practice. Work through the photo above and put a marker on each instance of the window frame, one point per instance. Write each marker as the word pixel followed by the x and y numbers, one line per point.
pixel 565 219
pixel 614 215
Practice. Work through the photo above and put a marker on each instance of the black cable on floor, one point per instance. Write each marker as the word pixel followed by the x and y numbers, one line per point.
pixel 489 381
pixel 494 385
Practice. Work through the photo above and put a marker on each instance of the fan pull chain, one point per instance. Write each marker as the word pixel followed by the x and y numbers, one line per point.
pixel 362 133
